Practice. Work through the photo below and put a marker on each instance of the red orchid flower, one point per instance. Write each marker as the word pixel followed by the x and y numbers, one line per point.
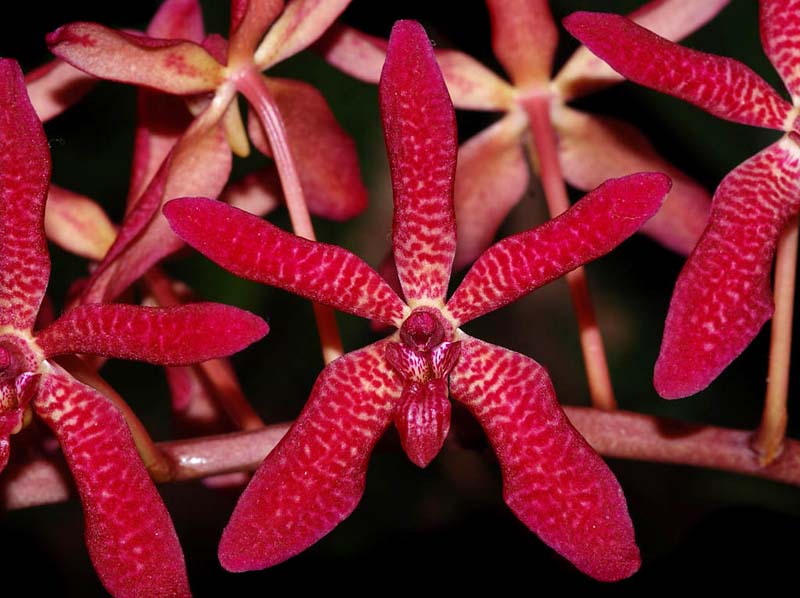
pixel 591 148
pixel 129 534
pixel 554 482
pixel 722 296
pixel 209 75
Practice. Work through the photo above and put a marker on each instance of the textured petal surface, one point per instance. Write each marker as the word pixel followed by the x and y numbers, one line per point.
pixel 257 250
pixel 358 54
pixel 723 86
pixel 24 176
pixel 552 479
pixel 420 131
pixel 780 36
pixel 129 534
pixel 76 223
pixel 55 87
pixel 491 177
pixel 315 477
pixel 591 228
pixel 524 39
pixel 722 296
pixel 594 148
pixel 173 66
pixel 471 85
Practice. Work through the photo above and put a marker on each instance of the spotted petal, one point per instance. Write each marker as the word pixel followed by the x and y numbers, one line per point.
pixel 722 296
pixel 420 132
pixel 24 177
pixel 552 479
pixel 780 36
pixel 591 228
pixel 315 477
pixel 723 86
pixel 130 537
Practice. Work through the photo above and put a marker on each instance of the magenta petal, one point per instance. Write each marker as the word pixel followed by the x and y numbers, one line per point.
pixel 129 533
pixel 315 477
pixel 257 250
pixel 165 335
pixel 24 177
pixel 592 227
pixel 780 36
pixel 420 131
pixel 552 479
pixel 723 86
pixel 722 296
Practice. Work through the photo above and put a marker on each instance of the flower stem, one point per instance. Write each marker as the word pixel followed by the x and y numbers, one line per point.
pixel 251 84
pixel 769 438
pixel 555 192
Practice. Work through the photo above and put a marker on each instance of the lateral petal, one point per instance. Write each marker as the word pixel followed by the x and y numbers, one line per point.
pixel 471 85
pixel 56 86
pixel 780 36
pixel 358 54
pixel 76 223
pixel 723 296
pixel 315 477
pixel 592 227
pixel 250 20
pixel 553 480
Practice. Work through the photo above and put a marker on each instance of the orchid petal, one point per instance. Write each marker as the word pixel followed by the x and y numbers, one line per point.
pixel 24 176
pixel 552 479
pixel 358 54
pixel 524 39
pixel 258 193
pixel 326 156
pixel 235 131
pixel 594 148
pixel 257 250
pixel 56 86
pixel 491 177
pixel 179 335
pixel 722 86
pixel 250 20
pixel 315 477
pixel 172 66
pixel 471 85
pixel 129 534
pixel 300 25
pixel 178 19
pixel 76 223
pixel 722 296
pixel 420 133
pixel 780 36
pixel 584 72
pixel 592 227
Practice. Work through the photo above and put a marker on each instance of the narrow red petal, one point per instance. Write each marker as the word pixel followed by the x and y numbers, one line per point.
pixel 524 39
pixel 164 335
pixel 315 477
pixel 592 227
pixel 257 250
pixel 78 224
pixel 250 20
pixel 552 479
pixel 422 420
pixel 722 296
pixel 55 87
pixel 420 131
pixel 130 537
pixel 24 177
pixel 723 86
pixel 780 36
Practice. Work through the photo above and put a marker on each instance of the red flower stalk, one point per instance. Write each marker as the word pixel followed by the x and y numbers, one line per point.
pixel 722 296
pixel 129 534
pixel 554 482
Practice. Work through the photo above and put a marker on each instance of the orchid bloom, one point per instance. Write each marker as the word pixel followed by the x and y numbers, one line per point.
pixel 554 482
pixel 722 296
pixel 209 72
pixel 591 148
pixel 130 537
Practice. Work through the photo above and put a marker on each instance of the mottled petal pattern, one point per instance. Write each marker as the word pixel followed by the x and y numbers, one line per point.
pixel 722 296
pixel 420 132
pixel 129 534
pixel 552 479
pixel 780 36
pixel 257 250
pixel 591 228
pixel 315 477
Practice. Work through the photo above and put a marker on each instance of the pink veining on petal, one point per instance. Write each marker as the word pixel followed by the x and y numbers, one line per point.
pixel 592 227
pixel 723 296
pixel 56 86
pixel 129 534
pixel 723 86
pixel 257 250
pixel 24 178
pixel 552 479
pixel 420 133
pixel 780 36
pixel 315 477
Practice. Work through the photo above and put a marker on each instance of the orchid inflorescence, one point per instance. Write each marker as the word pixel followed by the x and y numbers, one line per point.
pixel 450 203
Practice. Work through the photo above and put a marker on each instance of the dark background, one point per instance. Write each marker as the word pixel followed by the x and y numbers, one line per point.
pixel 447 523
